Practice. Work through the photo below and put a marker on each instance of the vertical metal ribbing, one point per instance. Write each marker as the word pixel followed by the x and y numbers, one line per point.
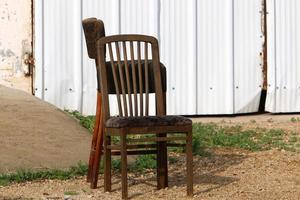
pixel 233 58
pixel 275 53
pixel 120 16
pixel 43 50
pixel 81 60
pixel 158 19
pixel 196 53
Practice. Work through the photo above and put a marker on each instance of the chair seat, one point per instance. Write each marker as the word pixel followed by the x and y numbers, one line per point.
pixel 170 120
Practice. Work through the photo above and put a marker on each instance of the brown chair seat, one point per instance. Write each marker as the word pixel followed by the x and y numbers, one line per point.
pixel 170 120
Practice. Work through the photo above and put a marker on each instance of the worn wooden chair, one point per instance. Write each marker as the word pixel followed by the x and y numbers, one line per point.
pixel 94 30
pixel 131 79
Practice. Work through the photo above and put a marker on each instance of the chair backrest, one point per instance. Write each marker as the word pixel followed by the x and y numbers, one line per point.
pixel 134 67
pixel 93 30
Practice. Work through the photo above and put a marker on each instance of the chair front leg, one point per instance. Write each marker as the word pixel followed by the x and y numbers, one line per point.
pixel 189 163
pixel 124 165
pixel 107 163
pixel 162 163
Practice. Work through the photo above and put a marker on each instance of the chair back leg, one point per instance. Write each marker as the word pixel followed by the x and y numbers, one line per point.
pixel 124 166
pixel 107 164
pixel 162 163
pixel 189 164
pixel 96 134
pixel 97 158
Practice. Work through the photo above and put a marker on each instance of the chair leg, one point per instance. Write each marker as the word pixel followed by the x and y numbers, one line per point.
pixel 189 164
pixel 96 162
pixel 162 163
pixel 124 166
pixel 107 164
pixel 94 139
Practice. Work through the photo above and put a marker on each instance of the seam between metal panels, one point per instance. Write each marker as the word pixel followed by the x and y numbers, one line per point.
pixel 158 20
pixel 81 59
pixel 119 12
pixel 196 53
pixel 275 55
pixel 233 58
pixel 43 50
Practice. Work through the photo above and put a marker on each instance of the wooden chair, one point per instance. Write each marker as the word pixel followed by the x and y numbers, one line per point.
pixel 94 30
pixel 131 79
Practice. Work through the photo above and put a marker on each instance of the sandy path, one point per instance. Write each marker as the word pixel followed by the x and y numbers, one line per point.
pixel 35 134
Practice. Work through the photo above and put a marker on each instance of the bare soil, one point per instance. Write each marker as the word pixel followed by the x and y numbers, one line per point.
pixel 228 174
pixel 36 135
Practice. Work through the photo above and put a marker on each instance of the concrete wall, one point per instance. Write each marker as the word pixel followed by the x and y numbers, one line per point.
pixel 15 41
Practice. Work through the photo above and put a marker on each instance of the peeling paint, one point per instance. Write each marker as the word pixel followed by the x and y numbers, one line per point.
pixel 15 42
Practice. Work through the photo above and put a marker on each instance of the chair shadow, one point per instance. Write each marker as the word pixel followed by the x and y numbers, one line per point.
pixel 206 170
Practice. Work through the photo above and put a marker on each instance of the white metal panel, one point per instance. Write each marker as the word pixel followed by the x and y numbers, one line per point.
pixel 139 17
pixel 248 55
pixel 39 48
pixel 208 46
pixel 284 62
pixel 229 67
pixel 215 57
pixel 62 53
pixel 271 76
pixel 178 53
pixel 106 10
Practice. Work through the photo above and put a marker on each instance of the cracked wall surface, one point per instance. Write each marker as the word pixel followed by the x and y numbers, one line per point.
pixel 15 42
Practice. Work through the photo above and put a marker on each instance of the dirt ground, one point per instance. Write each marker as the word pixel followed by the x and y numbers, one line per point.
pixel 229 174
pixel 36 135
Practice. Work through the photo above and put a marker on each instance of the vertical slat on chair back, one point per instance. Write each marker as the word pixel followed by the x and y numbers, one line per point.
pixel 130 73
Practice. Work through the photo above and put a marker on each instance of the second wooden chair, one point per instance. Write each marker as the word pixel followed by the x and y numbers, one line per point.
pixel 132 74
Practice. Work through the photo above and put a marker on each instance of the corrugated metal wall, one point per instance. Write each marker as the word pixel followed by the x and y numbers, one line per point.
pixel 283 56
pixel 211 49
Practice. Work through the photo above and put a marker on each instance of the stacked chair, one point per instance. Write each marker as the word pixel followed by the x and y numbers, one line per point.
pixel 128 67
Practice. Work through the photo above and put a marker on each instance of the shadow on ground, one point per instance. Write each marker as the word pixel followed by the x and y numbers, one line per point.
pixel 207 176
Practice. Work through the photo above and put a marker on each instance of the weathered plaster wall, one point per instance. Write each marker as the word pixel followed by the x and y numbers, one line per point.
pixel 15 41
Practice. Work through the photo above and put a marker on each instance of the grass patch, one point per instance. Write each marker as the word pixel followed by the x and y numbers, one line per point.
pixel 29 175
pixel 209 136
pixel 295 119
pixel 144 162
pixel 141 163
pixel 86 121
pixel 71 193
